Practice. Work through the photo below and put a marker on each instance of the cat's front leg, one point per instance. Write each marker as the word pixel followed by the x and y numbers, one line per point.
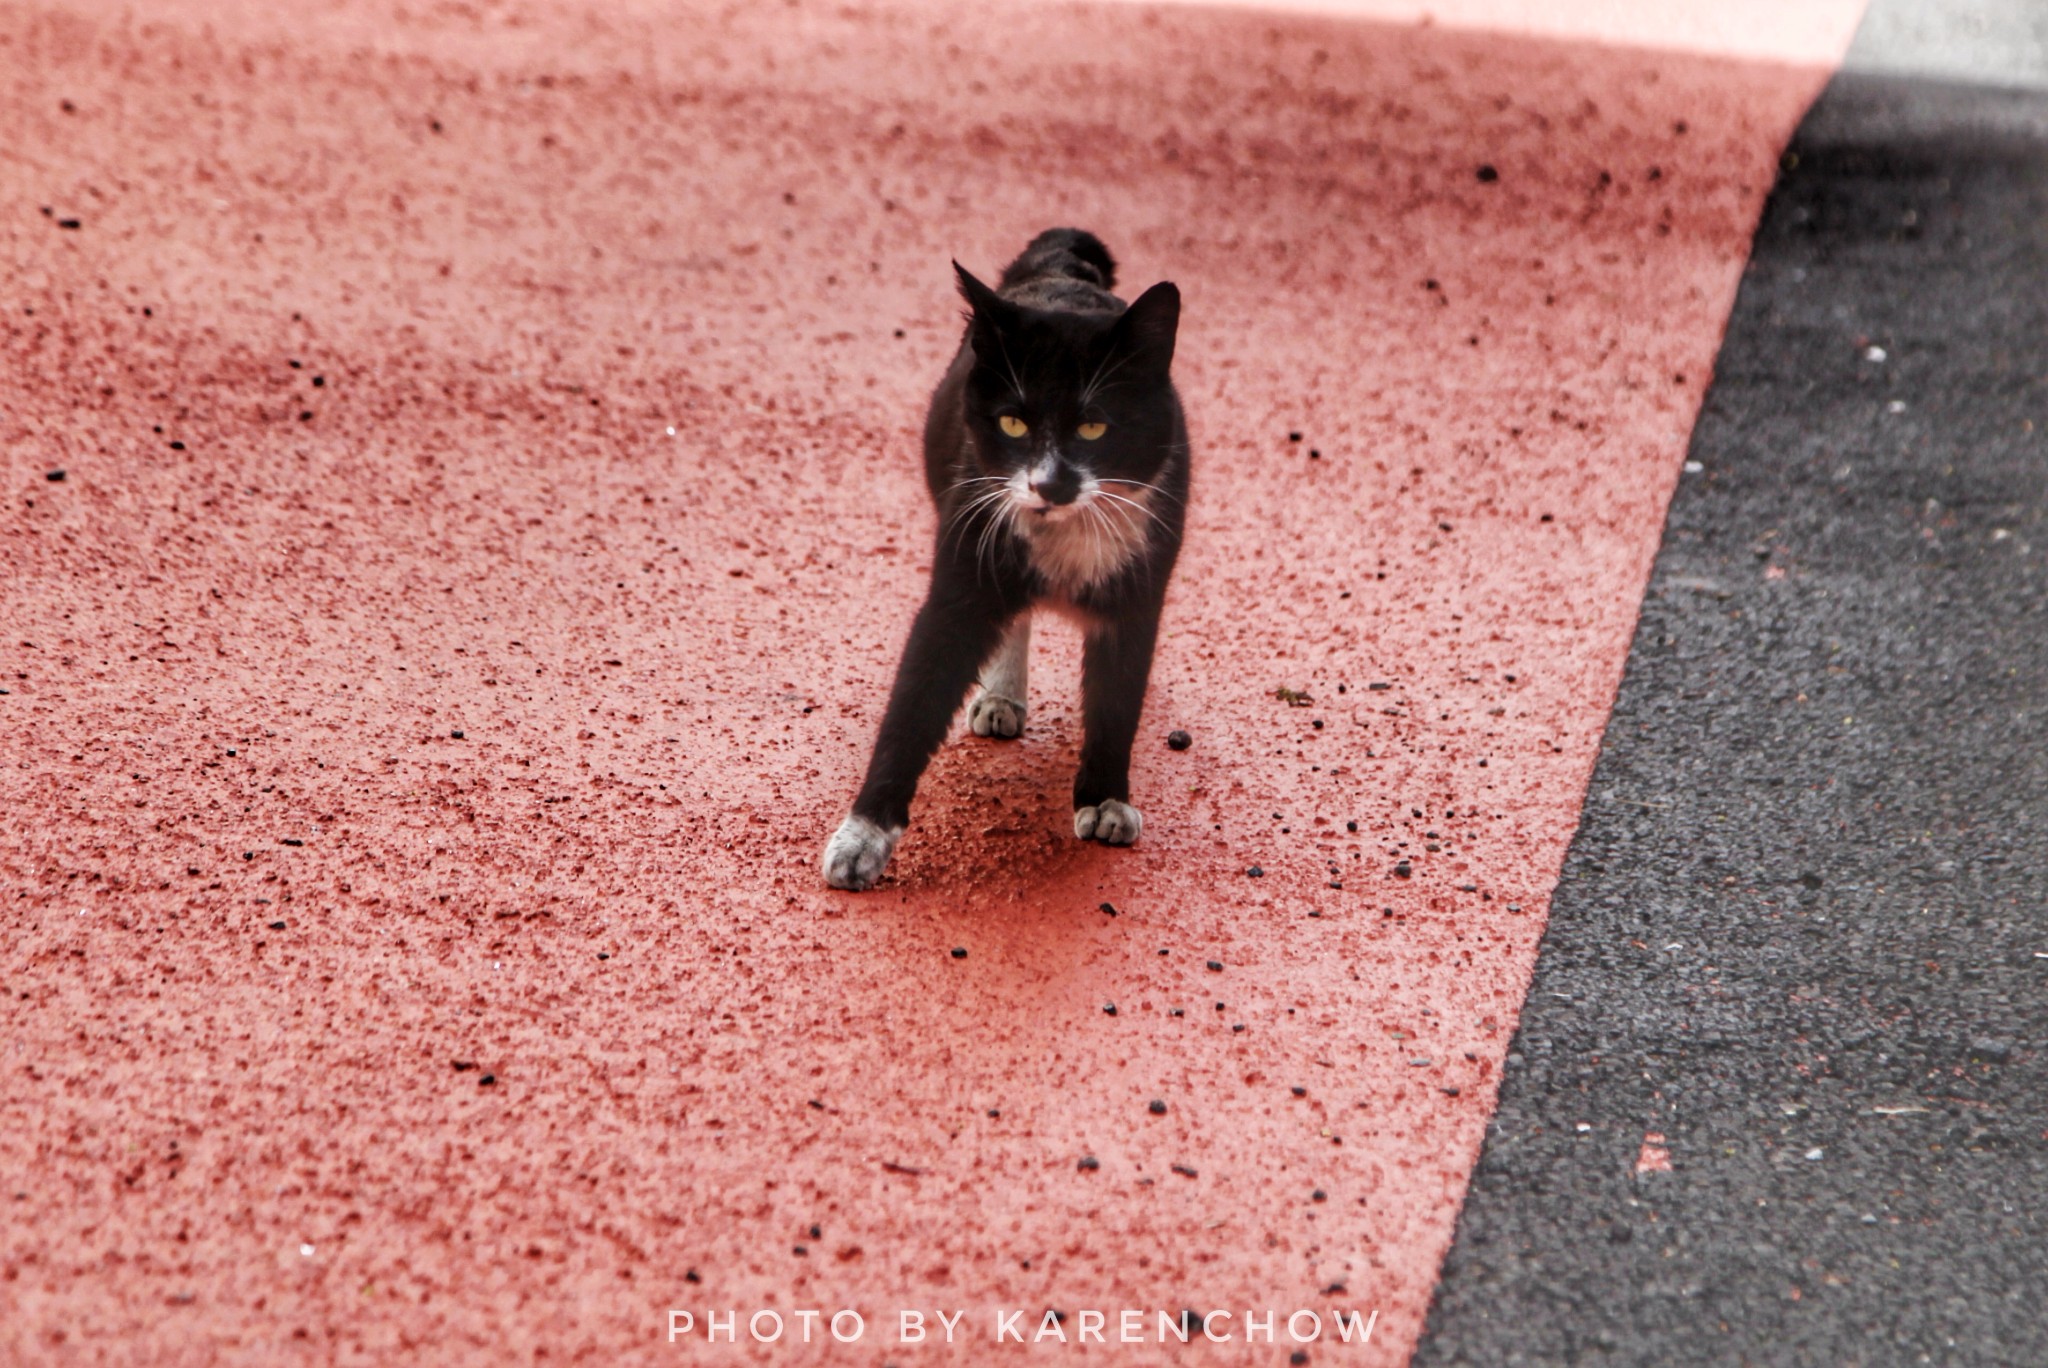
pixel 1116 662
pixel 955 632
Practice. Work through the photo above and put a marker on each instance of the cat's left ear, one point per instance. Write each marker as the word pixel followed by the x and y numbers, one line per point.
pixel 1147 329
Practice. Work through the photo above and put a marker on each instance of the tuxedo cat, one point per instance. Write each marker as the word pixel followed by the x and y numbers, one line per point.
pixel 1056 452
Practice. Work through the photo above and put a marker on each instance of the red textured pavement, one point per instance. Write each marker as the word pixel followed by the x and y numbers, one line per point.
pixel 491 510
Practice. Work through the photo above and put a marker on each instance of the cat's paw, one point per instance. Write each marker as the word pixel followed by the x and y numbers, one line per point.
pixel 1110 822
pixel 857 854
pixel 994 715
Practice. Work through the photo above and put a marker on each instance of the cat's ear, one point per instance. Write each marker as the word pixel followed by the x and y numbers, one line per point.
pixel 979 297
pixel 1146 331
pixel 992 314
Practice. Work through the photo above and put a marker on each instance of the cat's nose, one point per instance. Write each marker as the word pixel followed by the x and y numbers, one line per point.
pixel 1062 488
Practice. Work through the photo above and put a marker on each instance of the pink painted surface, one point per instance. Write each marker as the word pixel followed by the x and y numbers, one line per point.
pixel 422 293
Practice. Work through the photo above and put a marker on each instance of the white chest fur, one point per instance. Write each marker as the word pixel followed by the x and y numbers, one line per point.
pixel 1099 537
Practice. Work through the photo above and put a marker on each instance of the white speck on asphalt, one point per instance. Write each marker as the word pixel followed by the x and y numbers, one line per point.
pixel 1873 354
pixel 306 1251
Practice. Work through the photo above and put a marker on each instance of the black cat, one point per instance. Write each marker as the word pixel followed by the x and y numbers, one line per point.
pixel 1058 457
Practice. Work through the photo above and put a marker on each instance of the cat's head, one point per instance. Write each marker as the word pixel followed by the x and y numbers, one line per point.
pixel 1068 406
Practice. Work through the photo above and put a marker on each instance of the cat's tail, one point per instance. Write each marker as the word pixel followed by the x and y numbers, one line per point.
pixel 1063 252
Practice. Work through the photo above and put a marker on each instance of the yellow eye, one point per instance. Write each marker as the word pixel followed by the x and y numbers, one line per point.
pixel 1090 431
pixel 1012 425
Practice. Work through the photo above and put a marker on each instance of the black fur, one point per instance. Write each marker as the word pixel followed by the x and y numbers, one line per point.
pixel 1053 348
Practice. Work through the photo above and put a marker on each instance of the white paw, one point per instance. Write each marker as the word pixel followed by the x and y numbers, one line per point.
pixel 857 853
pixel 1112 823
pixel 994 715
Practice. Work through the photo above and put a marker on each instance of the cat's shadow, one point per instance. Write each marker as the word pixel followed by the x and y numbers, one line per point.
pixel 995 823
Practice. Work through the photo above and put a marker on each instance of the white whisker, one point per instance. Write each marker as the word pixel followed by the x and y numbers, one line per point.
pixel 1132 503
pixel 1093 387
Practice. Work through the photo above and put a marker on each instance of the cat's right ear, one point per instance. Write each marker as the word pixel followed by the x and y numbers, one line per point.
pixel 984 301
pixel 991 312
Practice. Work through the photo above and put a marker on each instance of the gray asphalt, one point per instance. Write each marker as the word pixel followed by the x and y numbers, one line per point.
pixel 1802 933
pixel 1975 42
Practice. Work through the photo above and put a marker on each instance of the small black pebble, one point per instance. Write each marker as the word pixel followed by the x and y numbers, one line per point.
pixel 1319 1196
pixel 55 477
pixel 1215 966
pixel 1156 1107
pixel 1293 436
pixel 817 1233
pixel 1314 455
pixel 292 841
pixel 1178 740
pixel 277 926
pixel 1351 826
pixel 68 223
pixel 959 952
pixel 319 381
pixel 1088 1163
pixel 815 1105
pixel 1620 1233
pixel 1379 688
pixel 1317 723
pixel 1299 1092
pixel 994 1114
pixel 798 1250
pixel 1109 908
pixel 1184 1171
pixel 1299 1356
pixel 1237 1026
pixel 1402 871
pixel 294 364
pixel 899 332
pixel 177 446
pixel 1255 872
pixel 1989 1050
pixel 1488 175
pixel 487 1081
pixel 463 1066
pixel 691 1277
pixel 456 734
pixel 305 415
pixel 602 955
